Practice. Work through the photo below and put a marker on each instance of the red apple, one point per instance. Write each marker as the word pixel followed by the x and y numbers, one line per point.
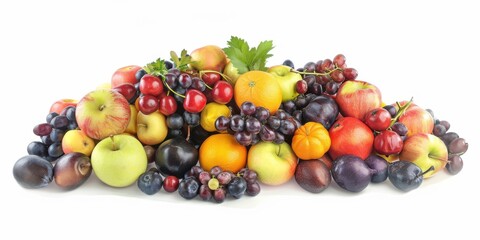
pixel 61 104
pixel 425 150
pixel 417 120
pixel 350 136
pixel 125 75
pixel 103 113
pixel 356 98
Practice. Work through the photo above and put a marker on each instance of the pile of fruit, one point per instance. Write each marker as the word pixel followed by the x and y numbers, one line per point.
pixel 218 122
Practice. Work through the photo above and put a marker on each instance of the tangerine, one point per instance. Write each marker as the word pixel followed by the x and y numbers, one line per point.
pixel 260 88
pixel 224 151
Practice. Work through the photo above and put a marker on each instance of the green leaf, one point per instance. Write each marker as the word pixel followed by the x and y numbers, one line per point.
pixel 182 62
pixel 245 58
pixel 156 68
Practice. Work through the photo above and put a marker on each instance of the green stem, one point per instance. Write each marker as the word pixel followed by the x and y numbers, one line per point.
pixel 315 73
pixel 212 71
pixel 169 88
pixel 401 111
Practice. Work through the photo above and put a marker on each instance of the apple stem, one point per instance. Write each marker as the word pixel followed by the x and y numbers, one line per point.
pixel 101 107
pixel 437 158
pixel 315 73
pixel 113 143
pixel 401 111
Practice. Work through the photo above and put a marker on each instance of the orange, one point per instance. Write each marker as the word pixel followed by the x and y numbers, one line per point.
pixel 260 88
pixel 224 151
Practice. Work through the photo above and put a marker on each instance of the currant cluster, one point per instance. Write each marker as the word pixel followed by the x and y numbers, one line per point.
pixel 51 134
pixel 255 123
pixel 217 184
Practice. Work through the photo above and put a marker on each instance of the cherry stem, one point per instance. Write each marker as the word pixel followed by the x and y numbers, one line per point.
pixel 401 111
pixel 315 73
pixel 169 88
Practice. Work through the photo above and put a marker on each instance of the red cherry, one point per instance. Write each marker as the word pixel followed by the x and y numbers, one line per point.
pixel 170 184
pixel 211 78
pixel 151 85
pixel 148 104
pixel 388 142
pixel 378 119
pixel 127 90
pixel 222 92
pixel 168 105
pixel 194 101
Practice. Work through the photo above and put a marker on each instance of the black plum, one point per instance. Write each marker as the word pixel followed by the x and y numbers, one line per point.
pixel 321 109
pixel 405 175
pixel 379 167
pixel 176 156
pixel 351 173
pixel 33 172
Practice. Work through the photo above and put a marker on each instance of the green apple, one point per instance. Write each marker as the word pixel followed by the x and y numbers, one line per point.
pixel 102 113
pixel 425 150
pixel 77 141
pixel 151 128
pixel 287 81
pixel 119 160
pixel 274 163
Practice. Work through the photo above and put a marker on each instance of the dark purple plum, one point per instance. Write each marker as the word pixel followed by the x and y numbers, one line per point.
pixel 405 175
pixel 33 172
pixel 321 109
pixel 379 167
pixel 351 173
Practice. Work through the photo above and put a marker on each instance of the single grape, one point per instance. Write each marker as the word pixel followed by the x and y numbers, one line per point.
pixel 195 171
pixel 455 164
pixel 192 119
pixel 204 177
pixel 301 86
pixel 55 150
pixel 219 195
pixel 300 102
pixel 174 121
pixel 457 147
pixel 224 178
pixel 180 90
pixel 331 87
pixel 171 80
pixel 248 108
pixel 198 84
pixel 337 76
pixel 400 128
pixel 205 193
pixel 391 109
pixel 222 123
pixel 350 73
pixel 57 135
pixel 267 134
pixel 262 114
pixel 287 127
pixel 243 137
pixel 250 176
pixel 339 60
pixel 38 149
pixel 274 122
pixel 288 63
pixel 439 130
pixel 281 114
pixel 446 124
pixel 310 80
pixel 188 188
pixel 327 65
pixel 237 123
pixel 70 113
pixel 252 125
pixel 253 189
pixel 449 137
pixel 237 187
pixel 318 66
pixel 59 122
pixel 309 67
pixel 289 106
pixel 214 171
pixel 184 80
pixel 168 65
pixel 176 72
pixel 279 138
pixel 42 129
pixel 213 184
pixel 50 116
pixel 139 74
pixel 72 125
pixel 316 89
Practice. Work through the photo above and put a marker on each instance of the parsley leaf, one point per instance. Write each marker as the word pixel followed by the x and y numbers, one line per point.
pixel 245 58
pixel 181 63
pixel 156 68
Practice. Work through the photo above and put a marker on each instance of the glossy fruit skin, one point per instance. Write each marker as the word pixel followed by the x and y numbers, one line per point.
pixel 222 92
pixel 211 78
pixel 170 183
pixel 379 166
pixel 151 85
pixel 260 88
pixel 388 142
pixel 350 136
pixel 405 175
pixel 237 187
pixel 313 176
pixel 125 75
pixel 150 182
pixel 176 156
pixel 148 104
pixel 188 188
pixel 311 141
pixel 195 101
pixel 127 90
pixel 378 119
pixel 351 173
pixel 167 105
pixel 322 109
pixel 72 170
pixel 33 172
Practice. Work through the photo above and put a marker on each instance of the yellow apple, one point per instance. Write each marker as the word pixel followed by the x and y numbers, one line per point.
pixel 287 81
pixel 132 124
pixel 77 141
pixel 152 128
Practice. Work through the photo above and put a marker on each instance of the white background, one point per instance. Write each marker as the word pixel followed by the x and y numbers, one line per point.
pixel 57 49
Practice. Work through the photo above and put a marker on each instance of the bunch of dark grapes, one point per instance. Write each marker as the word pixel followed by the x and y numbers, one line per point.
pixel 51 134
pixel 324 76
pixel 255 123
pixel 456 145
pixel 217 184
